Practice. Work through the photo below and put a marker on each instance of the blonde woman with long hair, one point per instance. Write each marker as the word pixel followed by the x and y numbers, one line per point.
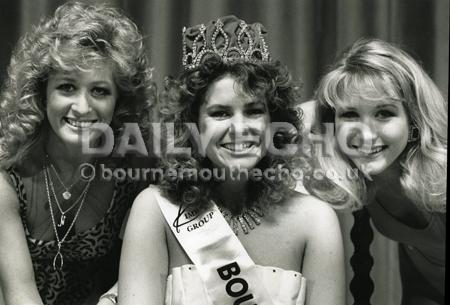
pixel 391 124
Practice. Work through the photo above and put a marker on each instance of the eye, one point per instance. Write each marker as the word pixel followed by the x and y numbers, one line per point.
pixel 348 115
pixel 256 111
pixel 219 114
pixel 100 92
pixel 384 114
pixel 66 88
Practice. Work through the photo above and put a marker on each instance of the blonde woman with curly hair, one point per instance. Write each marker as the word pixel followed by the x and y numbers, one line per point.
pixel 59 233
pixel 391 124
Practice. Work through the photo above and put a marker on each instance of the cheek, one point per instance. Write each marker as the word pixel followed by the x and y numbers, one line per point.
pixel 395 133
pixel 265 125
pixel 266 132
pixel 106 109
pixel 55 105
pixel 211 128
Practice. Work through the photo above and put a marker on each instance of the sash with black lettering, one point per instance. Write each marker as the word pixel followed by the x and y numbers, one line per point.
pixel 228 272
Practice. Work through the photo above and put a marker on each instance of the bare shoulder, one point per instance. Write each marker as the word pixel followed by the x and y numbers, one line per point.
pixel 5 179
pixel 309 206
pixel 147 195
pixel 145 207
pixel 313 214
pixel 147 199
pixel 8 198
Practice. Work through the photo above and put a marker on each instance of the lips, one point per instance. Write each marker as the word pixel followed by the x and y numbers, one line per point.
pixel 79 123
pixel 373 151
pixel 239 147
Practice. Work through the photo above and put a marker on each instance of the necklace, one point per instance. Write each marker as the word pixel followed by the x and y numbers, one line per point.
pixel 66 194
pixel 60 241
pixel 63 213
pixel 246 220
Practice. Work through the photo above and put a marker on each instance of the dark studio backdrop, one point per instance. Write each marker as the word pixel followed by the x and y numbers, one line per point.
pixel 304 34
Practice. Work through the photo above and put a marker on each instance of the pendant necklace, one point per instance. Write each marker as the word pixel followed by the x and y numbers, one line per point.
pixel 58 260
pixel 63 213
pixel 66 194
pixel 246 220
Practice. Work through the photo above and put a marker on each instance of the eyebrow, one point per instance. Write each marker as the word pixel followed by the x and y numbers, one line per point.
pixel 389 105
pixel 256 103
pixel 64 77
pixel 217 106
pixel 103 82
pixel 346 108
pixel 70 78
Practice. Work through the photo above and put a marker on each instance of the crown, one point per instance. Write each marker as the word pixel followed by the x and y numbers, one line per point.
pixel 228 37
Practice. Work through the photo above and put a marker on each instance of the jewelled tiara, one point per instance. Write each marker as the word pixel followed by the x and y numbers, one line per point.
pixel 228 37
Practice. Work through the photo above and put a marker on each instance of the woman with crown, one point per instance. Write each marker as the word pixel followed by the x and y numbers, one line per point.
pixel 59 233
pixel 228 235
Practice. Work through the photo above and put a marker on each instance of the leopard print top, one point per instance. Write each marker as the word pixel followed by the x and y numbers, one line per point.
pixel 90 257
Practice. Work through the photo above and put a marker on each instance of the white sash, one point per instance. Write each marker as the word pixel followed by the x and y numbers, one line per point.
pixel 228 272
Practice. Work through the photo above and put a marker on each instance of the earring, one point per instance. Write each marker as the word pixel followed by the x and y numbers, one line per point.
pixel 413 133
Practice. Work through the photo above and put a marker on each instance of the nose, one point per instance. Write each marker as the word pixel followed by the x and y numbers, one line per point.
pixel 370 130
pixel 368 134
pixel 239 125
pixel 363 135
pixel 81 104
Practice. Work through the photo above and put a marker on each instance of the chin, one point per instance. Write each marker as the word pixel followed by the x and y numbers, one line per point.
pixel 76 139
pixel 243 165
pixel 372 169
pixel 70 138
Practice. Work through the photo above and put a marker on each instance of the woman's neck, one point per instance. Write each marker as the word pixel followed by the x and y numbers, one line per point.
pixel 66 158
pixel 232 194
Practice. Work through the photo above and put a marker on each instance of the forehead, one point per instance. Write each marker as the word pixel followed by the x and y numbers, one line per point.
pixel 97 73
pixel 227 90
pixel 358 102
pixel 367 89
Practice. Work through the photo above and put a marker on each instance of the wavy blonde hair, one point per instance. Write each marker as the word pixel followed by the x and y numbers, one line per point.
pixel 78 37
pixel 369 63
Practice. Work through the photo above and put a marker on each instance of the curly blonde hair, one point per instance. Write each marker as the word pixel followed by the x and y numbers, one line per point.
pixel 424 162
pixel 77 37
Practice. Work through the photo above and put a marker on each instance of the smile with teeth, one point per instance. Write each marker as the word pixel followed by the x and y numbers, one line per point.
pixel 372 151
pixel 236 147
pixel 79 124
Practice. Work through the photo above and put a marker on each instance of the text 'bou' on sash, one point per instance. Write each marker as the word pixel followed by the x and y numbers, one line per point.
pixel 228 272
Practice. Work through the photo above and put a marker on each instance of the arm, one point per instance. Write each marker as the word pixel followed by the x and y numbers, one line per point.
pixel 323 263
pixel 16 268
pixel 144 260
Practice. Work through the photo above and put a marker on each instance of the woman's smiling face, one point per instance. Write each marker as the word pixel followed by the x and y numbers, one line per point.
pixel 372 133
pixel 76 100
pixel 233 125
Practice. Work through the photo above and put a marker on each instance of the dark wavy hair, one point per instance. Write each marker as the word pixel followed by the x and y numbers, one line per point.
pixel 180 102
pixel 78 37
